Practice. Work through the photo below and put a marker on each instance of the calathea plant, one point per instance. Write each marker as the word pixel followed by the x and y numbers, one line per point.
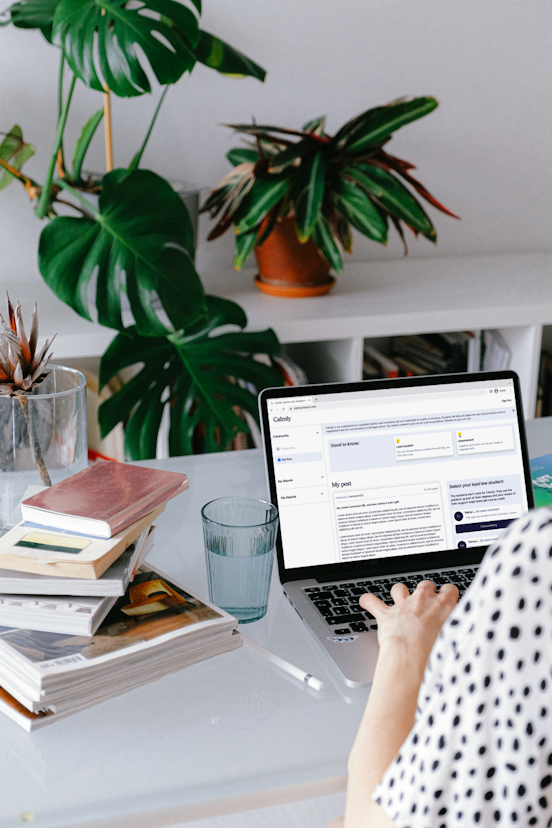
pixel 329 184
pixel 137 237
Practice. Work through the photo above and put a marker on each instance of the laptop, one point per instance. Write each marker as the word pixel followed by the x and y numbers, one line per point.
pixel 385 481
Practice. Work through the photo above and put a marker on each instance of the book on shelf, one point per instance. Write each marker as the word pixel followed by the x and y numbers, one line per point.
pixel 440 353
pixel 474 351
pixel 370 368
pixel 46 550
pixel 455 347
pixel 544 392
pixel 420 354
pixel 156 628
pixel 421 351
pixel 495 352
pixel 104 498
pixel 408 368
pixel 386 365
pixel 291 372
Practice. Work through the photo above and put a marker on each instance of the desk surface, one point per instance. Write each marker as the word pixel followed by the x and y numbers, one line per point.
pixel 233 725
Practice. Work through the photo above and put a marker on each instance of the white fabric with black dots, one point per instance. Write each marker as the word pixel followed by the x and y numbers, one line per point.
pixel 480 752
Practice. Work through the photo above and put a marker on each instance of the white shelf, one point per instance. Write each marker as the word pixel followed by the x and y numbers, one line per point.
pixel 404 296
pixel 510 292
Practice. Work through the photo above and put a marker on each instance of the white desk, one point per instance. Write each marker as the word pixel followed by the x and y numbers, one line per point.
pixel 228 733
pixel 232 726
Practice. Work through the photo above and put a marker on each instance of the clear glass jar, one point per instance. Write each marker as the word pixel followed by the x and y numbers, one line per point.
pixel 44 429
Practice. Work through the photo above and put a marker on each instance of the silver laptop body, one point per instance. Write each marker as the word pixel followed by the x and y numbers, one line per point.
pixel 388 480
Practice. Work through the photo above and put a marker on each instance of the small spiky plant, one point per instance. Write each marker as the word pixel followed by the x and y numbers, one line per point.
pixel 22 368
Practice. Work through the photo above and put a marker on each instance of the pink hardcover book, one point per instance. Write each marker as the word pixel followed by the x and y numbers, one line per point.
pixel 104 498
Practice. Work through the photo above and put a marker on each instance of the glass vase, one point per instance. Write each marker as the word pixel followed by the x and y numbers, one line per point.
pixel 42 435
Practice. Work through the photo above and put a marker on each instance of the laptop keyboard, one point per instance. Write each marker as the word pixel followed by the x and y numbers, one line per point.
pixel 338 603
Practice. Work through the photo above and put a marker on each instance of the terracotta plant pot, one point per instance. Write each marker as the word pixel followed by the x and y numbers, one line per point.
pixel 289 268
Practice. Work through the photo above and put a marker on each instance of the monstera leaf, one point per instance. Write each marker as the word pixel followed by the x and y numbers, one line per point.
pixel 166 31
pixel 34 14
pixel 216 54
pixel 103 41
pixel 200 376
pixel 140 240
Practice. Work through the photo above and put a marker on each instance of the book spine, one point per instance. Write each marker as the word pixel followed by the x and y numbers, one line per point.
pixel 429 357
pixel 388 367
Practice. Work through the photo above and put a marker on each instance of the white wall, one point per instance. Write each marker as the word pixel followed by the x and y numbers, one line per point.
pixel 486 152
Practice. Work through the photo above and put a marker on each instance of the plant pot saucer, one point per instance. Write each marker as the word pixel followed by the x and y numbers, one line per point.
pixel 294 291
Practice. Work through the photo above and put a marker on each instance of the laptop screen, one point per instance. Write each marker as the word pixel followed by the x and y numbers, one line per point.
pixel 400 469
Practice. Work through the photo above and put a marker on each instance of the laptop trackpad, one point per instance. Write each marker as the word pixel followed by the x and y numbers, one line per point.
pixel 355 655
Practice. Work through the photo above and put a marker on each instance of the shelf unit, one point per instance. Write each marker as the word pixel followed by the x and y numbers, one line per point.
pixel 372 300
pixel 375 300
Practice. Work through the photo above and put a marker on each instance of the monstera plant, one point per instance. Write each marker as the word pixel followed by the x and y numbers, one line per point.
pixel 131 233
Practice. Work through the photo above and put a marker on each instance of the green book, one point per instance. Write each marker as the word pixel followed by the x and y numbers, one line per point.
pixel 541 475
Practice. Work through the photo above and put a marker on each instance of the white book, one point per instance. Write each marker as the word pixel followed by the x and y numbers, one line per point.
pixel 497 354
pixel 45 550
pixel 112 583
pixel 474 352
pixel 54 613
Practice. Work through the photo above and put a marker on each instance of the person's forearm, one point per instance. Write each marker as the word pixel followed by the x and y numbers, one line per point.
pixel 388 719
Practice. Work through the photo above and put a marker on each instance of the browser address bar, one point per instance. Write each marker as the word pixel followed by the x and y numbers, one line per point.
pixel 476 393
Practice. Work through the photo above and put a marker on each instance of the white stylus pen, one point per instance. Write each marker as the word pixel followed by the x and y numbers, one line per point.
pixel 282 663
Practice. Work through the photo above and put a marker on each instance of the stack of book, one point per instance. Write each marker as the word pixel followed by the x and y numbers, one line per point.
pixel 437 353
pixel 82 618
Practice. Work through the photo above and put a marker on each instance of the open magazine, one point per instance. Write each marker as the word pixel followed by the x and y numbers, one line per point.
pixel 156 628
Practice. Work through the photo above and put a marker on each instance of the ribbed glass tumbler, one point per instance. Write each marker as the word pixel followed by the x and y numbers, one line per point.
pixel 240 533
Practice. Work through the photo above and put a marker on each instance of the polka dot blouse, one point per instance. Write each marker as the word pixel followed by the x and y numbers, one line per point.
pixel 480 752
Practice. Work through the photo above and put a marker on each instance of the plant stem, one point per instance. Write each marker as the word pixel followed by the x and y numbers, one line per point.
pixel 107 125
pixel 73 207
pixel 44 201
pixel 135 163
pixel 108 131
pixel 33 440
pixel 60 161
pixel 60 85
pixel 65 186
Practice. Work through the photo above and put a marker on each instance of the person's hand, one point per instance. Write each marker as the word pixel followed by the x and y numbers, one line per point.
pixel 414 621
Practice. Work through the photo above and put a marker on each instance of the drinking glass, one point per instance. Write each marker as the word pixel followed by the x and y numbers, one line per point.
pixel 240 533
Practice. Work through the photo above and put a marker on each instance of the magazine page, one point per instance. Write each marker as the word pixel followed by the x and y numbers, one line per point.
pixel 12 708
pixel 153 611
pixel 87 689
